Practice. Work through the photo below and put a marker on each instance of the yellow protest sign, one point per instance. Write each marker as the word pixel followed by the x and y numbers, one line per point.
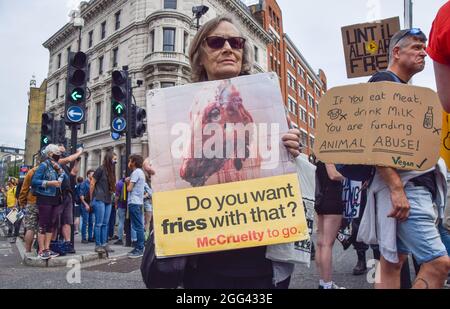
pixel 445 147
pixel 387 124
pixel 229 216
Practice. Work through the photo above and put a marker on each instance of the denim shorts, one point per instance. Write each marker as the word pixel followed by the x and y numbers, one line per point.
pixel 419 234
pixel 148 207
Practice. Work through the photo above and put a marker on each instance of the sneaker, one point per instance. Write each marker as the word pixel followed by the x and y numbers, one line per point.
pixel 68 248
pixel 84 242
pixel 44 255
pixel 108 249
pixel 13 240
pixel 115 237
pixel 118 243
pixel 53 254
pixel 100 249
pixel 91 240
pixel 336 287
pixel 135 254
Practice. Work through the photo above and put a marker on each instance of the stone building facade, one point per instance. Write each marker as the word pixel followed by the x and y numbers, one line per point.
pixel 152 38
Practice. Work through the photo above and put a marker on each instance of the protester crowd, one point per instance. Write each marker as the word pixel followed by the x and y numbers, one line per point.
pixel 52 193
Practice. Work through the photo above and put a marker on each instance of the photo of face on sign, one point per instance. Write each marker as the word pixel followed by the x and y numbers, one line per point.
pixel 217 132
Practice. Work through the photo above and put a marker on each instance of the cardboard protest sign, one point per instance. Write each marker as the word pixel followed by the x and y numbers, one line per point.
pixel 386 124
pixel 214 134
pixel 366 46
pixel 445 146
pixel 229 216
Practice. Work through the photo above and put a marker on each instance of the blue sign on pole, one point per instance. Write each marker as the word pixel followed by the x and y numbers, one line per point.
pixel 75 114
pixel 119 124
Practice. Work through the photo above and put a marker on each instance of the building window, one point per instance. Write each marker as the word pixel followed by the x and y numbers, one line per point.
pixel 256 51
pixel 302 91
pixel 57 90
pixel 310 81
pixel 290 59
pixel 317 107
pixel 117 20
pixel 301 71
pixel 169 39
pixel 91 38
pixel 59 61
pixel 291 81
pixel 317 91
pixel 170 4
pixel 310 101
pixel 311 142
pixel 103 30
pixel 152 41
pixel 115 57
pixel 312 121
pixel 68 50
pixel 86 121
pixel 98 113
pixel 303 114
pixel 100 65
pixel 167 84
pixel 185 42
pixel 292 105
pixel 88 78
pixel 304 138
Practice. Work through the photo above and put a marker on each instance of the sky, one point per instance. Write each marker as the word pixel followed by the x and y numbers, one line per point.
pixel 313 25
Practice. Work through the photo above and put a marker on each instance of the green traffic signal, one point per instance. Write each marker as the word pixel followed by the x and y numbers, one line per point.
pixel 118 108
pixel 77 95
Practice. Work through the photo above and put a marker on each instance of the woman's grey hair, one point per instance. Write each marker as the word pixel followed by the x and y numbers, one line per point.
pixel 196 49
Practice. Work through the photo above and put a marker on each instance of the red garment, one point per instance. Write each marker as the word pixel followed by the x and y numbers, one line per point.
pixel 439 46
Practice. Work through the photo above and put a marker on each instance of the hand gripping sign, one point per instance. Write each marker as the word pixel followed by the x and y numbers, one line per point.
pixel 223 178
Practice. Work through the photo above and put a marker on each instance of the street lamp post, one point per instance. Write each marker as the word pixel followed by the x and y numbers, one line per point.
pixel 408 14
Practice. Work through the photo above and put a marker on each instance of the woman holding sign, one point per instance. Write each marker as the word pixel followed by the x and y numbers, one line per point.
pixel 218 52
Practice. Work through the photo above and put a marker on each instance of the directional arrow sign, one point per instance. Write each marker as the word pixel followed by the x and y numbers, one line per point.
pixel 119 108
pixel 45 140
pixel 77 95
pixel 75 114
pixel 119 124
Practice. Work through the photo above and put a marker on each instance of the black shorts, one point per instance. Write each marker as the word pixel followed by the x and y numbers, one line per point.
pixel 330 208
pixel 77 211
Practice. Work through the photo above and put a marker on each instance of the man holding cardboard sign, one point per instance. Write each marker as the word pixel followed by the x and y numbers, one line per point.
pixel 394 127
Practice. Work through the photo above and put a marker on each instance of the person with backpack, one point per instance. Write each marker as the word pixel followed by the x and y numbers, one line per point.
pixel 27 201
pixel 408 211
pixel 77 205
pixel 135 187
pixel 329 208
pixel 87 212
pixel 46 184
pixel 11 203
pixel 102 187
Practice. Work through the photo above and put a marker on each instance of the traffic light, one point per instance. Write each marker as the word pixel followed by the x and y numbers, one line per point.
pixel 138 122
pixel 60 132
pixel 76 86
pixel 120 98
pixel 47 129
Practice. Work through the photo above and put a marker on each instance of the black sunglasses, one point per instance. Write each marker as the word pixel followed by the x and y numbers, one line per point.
pixel 218 42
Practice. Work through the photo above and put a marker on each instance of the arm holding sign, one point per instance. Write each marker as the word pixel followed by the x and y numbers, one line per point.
pixel 399 200
pixel 333 174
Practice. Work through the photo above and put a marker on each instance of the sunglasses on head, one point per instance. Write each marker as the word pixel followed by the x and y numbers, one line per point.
pixel 217 42
pixel 410 32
